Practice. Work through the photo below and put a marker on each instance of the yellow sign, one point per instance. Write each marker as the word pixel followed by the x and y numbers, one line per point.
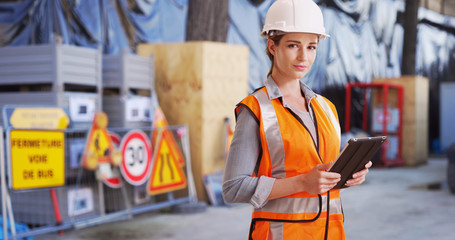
pixel 39 118
pixel 160 122
pixel 167 174
pixel 99 148
pixel 37 158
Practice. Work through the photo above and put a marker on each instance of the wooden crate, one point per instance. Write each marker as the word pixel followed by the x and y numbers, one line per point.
pixel 199 84
pixel 415 117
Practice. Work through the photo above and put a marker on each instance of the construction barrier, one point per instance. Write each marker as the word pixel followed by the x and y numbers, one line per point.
pixel 44 193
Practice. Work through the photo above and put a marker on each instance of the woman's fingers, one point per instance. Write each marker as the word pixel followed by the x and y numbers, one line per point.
pixel 359 177
pixel 355 181
pixel 364 171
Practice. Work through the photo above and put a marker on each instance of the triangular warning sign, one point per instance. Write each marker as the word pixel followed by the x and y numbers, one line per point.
pixel 167 174
pixel 99 148
pixel 161 123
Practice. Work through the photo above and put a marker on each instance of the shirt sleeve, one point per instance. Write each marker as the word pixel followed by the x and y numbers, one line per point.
pixel 239 186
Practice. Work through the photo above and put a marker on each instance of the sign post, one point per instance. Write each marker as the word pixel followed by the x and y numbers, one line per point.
pixel 3 186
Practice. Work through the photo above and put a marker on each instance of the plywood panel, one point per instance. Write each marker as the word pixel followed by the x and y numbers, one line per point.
pixel 199 84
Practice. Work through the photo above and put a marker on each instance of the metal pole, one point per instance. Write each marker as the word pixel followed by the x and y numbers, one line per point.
pixel 189 171
pixel 400 124
pixel 12 224
pixel 3 185
pixel 101 197
pixel 125 198
pixel 384 122
pixel 9 207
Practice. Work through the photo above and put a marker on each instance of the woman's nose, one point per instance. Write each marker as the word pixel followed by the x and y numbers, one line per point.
pixel 302 54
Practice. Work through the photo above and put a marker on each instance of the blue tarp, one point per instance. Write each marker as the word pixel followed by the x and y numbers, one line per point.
pixel 112 25
pixel 245 28
pixel 19 228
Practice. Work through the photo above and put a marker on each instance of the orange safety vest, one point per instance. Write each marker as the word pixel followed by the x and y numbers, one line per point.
pixel 289 150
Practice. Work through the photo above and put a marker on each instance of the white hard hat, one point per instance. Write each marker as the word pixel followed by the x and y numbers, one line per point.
pixel 294 16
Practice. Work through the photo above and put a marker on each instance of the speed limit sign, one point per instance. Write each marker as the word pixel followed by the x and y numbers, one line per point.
pixel 137 154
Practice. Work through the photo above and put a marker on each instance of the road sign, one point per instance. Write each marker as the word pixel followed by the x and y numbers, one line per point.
pixel 137 154
pixel 161 123
pixel 37 158
pixel 39 118
pixel 99 147
pixel 110 174
pixel 116 139
pixel 167 174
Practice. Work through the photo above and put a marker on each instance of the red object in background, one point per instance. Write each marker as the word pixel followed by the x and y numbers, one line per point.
pixel 58 217
pixel 385 98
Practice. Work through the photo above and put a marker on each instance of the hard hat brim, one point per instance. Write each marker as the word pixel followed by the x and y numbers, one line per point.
pixel 266 35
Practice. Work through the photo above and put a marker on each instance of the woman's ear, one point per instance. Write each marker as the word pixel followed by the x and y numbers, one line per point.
pixel 271 46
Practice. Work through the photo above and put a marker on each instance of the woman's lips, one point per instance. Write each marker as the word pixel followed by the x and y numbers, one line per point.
pixel 300 67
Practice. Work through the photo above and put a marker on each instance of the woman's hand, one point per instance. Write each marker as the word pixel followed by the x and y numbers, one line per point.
pixel 359 177
pixel 318 181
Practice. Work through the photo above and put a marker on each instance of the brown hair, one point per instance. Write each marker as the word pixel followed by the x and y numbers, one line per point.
pixel 276 40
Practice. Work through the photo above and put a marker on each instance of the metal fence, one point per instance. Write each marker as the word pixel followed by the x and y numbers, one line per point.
pixel 83 200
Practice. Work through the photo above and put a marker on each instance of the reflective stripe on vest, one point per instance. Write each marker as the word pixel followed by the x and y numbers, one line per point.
pixel 300 205
pixel 272 134
pixel 329 114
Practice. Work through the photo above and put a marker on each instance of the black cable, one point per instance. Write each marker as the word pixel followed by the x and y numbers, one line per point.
pixel 253 221
pixel 252 226
pixel 328 214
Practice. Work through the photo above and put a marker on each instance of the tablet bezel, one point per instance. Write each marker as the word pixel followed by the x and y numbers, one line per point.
pixel 354 156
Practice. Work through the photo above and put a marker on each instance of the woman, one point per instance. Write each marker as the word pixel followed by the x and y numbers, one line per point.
pixel 286 137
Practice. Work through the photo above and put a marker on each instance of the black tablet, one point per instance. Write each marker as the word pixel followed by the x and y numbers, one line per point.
pixel 354 156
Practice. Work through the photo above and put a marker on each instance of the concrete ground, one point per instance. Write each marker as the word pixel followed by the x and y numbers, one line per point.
pixel 394 203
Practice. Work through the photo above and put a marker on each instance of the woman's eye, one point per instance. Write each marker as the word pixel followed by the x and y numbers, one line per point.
pixel 312 47
pixel 292 45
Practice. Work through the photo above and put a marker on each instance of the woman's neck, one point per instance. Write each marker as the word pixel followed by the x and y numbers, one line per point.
pixel 288 87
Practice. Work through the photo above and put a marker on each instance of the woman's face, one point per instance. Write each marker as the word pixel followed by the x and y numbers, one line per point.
pixel 294 55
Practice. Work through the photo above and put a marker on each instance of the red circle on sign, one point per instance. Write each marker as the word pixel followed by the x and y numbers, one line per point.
pixel 115 139
pixel 137 154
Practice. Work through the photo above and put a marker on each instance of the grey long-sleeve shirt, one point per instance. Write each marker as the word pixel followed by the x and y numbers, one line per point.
pixel 239 186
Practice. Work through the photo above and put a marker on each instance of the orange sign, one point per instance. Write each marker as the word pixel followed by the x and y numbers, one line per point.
pixel 99 148
pixel 167 174
pixel 160 122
